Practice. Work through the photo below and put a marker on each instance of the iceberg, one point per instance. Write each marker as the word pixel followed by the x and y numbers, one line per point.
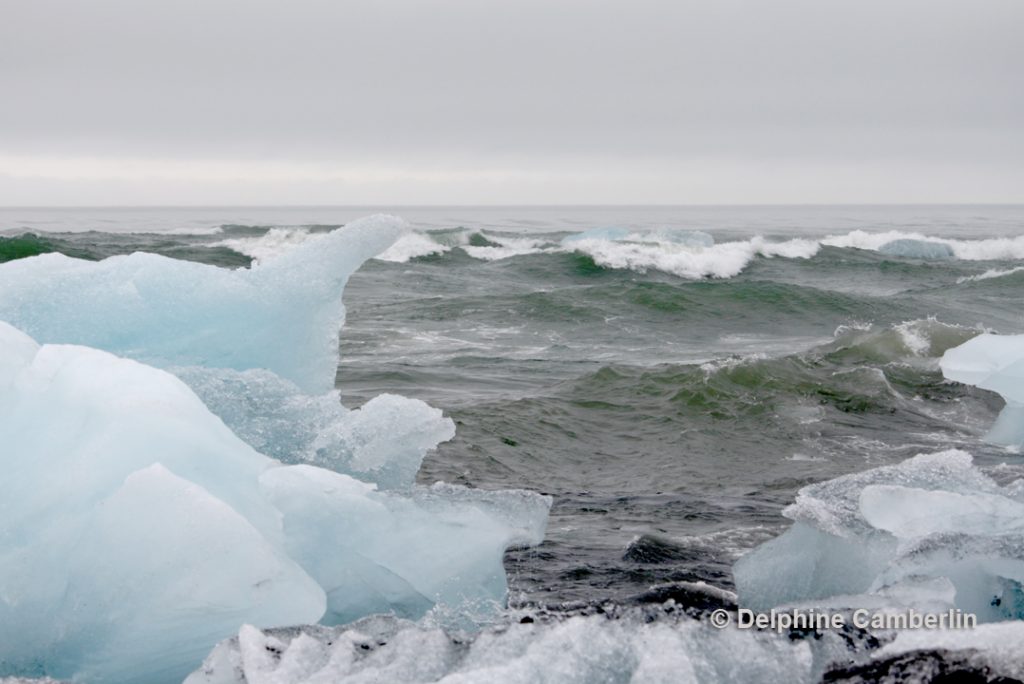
pixel 177 464
pixel 138 530
pixel 603 233
pixel 917 249
pixel 259 346
pixel 282 315
pixel 933 532
pixel 689 238
pixel 994 363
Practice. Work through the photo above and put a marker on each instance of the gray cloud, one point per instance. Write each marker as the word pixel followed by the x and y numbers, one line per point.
pixel 629 99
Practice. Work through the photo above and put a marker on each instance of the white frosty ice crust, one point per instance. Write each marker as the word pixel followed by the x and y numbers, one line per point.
pixel 578 650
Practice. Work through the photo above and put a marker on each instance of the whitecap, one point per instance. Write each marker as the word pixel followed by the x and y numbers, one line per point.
pixel 412 245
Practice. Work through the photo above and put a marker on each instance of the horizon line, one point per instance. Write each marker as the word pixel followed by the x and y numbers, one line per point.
pixel 631 205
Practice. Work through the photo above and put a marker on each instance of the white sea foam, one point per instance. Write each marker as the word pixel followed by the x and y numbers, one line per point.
pixel 989 249
pixel 689 259
pixel 411 245
pixel 990 274
pixel 506 247
pixel 694 254
pixel 279 241
pixel 273 243
pixel 686 253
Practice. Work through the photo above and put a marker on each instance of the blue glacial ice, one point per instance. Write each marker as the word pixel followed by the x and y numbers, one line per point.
pixel 994 363
pixel 259 346
pixel 931 533
pixel 140 525
pixel 603 233
pixel 917 249
pixel 282 315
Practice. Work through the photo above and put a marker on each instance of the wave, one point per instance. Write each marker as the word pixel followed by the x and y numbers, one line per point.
pixel 684 253
pixel 884 381
pixel 695 254
pixel 94 246
pixel 263 243
pixel 273 243
pixel 990 274
pixel 722 260
pixel 918 245
pixel 25 245
pixel 506 247
pixel 412 245
pixel 926 338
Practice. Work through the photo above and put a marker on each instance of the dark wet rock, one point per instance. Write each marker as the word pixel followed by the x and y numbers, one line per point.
pixel 921 667
pixel 651 549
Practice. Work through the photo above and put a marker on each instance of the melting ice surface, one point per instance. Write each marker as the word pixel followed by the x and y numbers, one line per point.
pixel 142 517
pixel 932 533
pixel 283 315
pixel 259 346
pixel 994 363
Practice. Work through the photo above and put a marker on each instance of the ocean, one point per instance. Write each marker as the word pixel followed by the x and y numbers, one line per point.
pixel 671 377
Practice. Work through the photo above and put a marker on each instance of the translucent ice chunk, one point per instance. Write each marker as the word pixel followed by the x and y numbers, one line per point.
pixel 136 529
pixel 132 530
pixel 888 532
pixel 282 315
pixel 259 346
pixel 384 441
pixel 603 233
pixel 917 249
pixel 994 363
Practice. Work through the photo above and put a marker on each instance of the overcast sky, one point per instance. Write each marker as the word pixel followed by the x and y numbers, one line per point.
pixel 512 101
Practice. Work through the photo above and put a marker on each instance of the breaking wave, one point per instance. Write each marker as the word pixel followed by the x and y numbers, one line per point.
pixel 990 274
pixel 688 254
pixel 917 245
